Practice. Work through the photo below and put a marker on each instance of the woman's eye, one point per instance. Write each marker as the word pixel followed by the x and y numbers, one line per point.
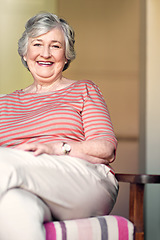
pixel 55 46
pixel 37 45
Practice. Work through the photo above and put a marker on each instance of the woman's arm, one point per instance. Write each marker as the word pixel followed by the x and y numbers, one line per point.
pixel 97 150
pixel 94 151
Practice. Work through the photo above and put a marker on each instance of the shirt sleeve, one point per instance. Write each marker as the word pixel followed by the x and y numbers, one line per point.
pixel 96 119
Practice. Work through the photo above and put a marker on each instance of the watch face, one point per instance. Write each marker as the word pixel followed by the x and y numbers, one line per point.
pixel 66 148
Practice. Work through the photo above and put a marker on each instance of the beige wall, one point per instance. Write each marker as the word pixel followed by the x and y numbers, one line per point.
pixel 107 45
pixel 107 41
pixel 153 117
pixel 13 16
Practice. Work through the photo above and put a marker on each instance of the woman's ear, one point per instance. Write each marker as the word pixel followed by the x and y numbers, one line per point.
pixel 24 57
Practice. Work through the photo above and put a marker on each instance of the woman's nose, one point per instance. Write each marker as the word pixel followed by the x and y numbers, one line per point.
pixel 45 52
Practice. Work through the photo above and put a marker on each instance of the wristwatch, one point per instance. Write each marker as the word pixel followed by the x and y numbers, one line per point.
pixel 66 148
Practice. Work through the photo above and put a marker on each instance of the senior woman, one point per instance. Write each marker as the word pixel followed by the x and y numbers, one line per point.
pixel 56 139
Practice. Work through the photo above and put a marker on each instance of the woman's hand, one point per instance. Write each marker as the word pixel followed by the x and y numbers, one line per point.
pixel 40 148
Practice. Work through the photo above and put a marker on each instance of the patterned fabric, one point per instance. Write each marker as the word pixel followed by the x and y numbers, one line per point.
pixel 77 112
pixel 96 228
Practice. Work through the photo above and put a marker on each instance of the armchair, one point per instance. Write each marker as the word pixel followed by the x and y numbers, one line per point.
pixel 108 227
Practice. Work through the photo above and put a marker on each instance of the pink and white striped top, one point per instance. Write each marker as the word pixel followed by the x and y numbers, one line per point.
pixel 77 112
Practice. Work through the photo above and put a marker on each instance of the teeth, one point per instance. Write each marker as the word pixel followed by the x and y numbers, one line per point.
pixel 45 63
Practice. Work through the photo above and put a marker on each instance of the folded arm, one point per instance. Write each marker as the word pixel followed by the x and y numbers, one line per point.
pixel 94 151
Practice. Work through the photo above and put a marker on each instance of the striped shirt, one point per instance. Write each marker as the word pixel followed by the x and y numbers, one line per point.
pixel 75 113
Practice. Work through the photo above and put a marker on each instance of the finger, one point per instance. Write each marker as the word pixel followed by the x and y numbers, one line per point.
pixel 38 151
pixel 27 147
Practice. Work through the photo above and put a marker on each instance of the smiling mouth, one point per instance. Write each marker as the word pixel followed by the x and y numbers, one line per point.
pixel 41 63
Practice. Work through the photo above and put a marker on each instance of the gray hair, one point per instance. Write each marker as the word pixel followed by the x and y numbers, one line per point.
pixel 41 24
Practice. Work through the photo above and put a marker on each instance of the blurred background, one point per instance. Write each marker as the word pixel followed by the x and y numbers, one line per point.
pixel 118 47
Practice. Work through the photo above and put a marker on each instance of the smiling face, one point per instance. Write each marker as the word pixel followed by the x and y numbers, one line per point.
pixel 46 56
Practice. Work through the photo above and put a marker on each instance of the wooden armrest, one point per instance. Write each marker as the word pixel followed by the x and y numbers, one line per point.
pixel 137 185
pixel 138 178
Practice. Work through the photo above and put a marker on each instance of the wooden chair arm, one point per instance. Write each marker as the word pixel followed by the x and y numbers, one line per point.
pixel 137 185
pixel 138 178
